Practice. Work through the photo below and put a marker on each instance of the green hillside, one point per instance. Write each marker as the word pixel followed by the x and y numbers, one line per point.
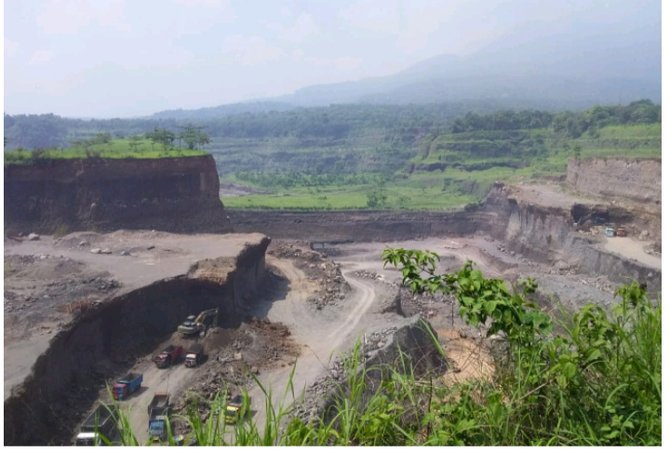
pixel 436 171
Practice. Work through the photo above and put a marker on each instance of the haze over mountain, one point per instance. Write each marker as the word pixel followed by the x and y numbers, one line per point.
pixel 548 66
pixel 124 58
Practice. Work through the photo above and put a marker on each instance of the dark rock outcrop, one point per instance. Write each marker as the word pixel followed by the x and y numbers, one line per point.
pixel 59 195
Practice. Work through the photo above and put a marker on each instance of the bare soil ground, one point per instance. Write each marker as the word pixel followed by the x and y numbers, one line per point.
pixel 311 309
pixel 633 249
pixel 46 279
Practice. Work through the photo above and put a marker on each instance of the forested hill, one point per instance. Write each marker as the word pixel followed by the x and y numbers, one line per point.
pixel 328 125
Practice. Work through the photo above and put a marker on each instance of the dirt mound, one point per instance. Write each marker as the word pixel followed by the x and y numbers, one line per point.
pixel 233 355
pixel 317 266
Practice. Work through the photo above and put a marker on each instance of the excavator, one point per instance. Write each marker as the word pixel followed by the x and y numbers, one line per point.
pixel 198 325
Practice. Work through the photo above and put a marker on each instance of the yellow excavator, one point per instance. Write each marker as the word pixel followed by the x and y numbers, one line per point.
pixel 198 325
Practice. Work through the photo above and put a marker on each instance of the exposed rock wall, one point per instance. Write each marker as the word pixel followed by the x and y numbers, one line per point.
pixel 548 235
pixel 354 225
pixel 637 181
pixel 171 194
pixel 79 358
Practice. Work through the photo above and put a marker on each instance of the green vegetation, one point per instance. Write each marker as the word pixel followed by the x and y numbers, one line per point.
pixel 593 378
pixel 428 156
pixel 133 147
pixel 438 169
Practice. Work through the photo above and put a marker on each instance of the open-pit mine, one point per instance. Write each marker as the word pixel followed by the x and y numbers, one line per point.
pixel 102 275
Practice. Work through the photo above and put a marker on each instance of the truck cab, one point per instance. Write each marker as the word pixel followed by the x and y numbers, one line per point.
pixel 169 356
pixel 194 355
pixel 234 411
pixel 158 428
pixel 88 439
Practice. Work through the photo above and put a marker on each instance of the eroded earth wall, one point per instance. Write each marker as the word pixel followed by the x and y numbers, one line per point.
pixel 548 235
pixel 636 180
pixel 61 195
pixel 363 226
pixel 43 409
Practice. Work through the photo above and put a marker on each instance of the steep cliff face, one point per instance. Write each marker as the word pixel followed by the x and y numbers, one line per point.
pixel 547 234
pixel 636 181
pixel 170 194
pixel 357 225
pixel 43 409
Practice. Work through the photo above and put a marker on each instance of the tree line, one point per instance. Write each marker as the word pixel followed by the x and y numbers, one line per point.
pixel 402 124
pixel 569 123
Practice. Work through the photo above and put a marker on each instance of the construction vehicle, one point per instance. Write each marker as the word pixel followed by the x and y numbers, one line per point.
pixel 125 386
pixel 169 356
pixel 98 428
pixel 159 412
pixel 194 356
pixel 199 325
pixel 234 412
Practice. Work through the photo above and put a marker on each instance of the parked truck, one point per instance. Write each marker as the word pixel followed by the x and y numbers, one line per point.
pixel 198 325
pixel 125 386
pixel 169 356
pixel 99 426
pixel 194 356
pixel 234 411
pixel 159 411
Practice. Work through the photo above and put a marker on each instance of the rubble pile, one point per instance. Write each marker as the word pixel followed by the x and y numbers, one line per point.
pixel 379 349
pixel 364 274
pixel 59 282
pixel 317 266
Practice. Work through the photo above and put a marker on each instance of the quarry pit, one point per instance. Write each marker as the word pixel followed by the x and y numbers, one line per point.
pixel 87 307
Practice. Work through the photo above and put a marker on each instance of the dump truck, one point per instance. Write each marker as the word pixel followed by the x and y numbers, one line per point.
pixel 194 355
pixel 170 355
pixel 234 409
pixel 198 325
pixel 125 386
pixel 159 411
pixel 98 425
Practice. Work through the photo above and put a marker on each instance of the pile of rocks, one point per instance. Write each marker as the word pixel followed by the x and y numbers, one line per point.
pixel 364 274
pixel 379 349
pixel 318 267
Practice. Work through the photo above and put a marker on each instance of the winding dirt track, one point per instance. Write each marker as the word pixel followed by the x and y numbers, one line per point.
pixel 323 335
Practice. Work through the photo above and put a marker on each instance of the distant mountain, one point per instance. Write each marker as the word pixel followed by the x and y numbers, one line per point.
pixel 223 110
pixel 545 65
pixel 553 73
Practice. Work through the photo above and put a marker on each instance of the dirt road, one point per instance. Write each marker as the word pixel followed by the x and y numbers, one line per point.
pixel 324 336
pixel 172 380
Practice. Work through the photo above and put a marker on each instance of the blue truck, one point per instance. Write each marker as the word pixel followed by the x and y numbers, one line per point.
pixel 159 412
pixel 125 386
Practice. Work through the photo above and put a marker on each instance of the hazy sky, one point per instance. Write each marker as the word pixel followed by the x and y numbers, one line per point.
pixel 108 58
